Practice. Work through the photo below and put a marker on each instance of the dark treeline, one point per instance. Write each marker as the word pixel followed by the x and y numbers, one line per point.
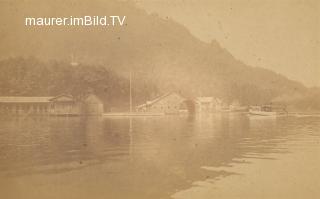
pixel 31 77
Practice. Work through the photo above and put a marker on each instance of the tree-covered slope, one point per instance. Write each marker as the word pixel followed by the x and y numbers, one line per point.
pixel 158 51
pixel 31 77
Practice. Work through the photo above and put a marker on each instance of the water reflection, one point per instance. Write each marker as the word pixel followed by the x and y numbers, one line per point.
pixel 150 157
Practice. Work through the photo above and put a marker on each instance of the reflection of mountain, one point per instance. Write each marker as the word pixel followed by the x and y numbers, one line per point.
pixel 159 50
pixel 160 154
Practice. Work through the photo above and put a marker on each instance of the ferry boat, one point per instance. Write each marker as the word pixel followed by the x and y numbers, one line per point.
pixel 267 110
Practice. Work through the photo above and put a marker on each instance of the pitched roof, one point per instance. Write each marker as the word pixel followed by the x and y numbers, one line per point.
pixel 47 99
pixel 63 98
pixel 141 105
pixel 18 99
pixel 204 99
pixel 92 99
pixel 161 97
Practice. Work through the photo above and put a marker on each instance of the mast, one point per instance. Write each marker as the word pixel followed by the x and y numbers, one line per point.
pixel 130 93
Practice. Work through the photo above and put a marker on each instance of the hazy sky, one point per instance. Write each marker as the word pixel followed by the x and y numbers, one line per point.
pixel 282 35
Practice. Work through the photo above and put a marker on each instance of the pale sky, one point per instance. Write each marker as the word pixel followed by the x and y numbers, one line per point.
pixel 281 35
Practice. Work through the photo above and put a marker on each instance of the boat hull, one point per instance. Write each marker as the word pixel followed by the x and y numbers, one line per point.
pixel 263 113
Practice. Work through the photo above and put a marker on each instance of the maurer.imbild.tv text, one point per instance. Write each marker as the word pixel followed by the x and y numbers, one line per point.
pixel 76 21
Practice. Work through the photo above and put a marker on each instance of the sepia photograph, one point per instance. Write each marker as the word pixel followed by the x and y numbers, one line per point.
pixel 159 99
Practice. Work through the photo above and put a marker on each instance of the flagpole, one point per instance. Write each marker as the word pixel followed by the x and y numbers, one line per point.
pixel 130 124
pixel 130 93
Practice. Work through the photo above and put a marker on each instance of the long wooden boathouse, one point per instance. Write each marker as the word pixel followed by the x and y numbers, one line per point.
pixel 58 105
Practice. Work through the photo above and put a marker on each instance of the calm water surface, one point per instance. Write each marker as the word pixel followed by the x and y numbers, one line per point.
pixel 208 156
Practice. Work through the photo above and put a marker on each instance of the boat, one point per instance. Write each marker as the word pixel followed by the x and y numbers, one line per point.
pixel 235 106
pixel 238 108
pixel 267 110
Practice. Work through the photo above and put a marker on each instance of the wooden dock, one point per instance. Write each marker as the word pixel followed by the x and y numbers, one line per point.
pixel 132 114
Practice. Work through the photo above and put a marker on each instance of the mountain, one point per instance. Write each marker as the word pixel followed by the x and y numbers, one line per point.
pixel 158 51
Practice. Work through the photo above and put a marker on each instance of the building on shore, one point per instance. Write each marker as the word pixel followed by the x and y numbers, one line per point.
pixel 170 103
pixel 61 105
pixel 209 104
pixel 92 105
pixel 204 104
pixel 64 105
pixel 24 105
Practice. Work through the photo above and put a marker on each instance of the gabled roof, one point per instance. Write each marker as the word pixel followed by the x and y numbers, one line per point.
pixel 204 99
pixel 141 105
pixel 160 98
pixel 92 99
pixel 19 99
pixel 47 99
pixel 63 98
pixel 217 100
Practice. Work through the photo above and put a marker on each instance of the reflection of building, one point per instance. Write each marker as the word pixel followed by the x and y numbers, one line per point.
pixel 59 105
pixel 169 103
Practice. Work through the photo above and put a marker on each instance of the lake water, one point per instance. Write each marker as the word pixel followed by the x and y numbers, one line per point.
pixel 203 157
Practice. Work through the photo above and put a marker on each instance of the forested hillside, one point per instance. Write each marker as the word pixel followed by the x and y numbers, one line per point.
pixel 161 54
pixel 31 77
